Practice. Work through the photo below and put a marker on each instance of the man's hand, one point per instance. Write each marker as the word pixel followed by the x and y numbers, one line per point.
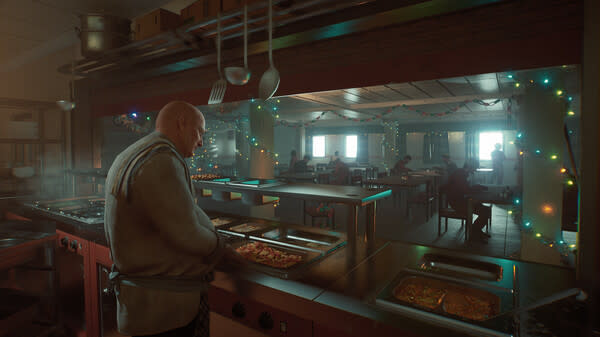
pixel 232 261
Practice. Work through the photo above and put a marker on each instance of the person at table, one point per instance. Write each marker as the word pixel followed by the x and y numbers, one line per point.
pixel 334 158
pixel 157 235
pixel 498 165
pixel 301 166
pixel 457 188
pixel 449 165
pixel 341 173
pixel 400 167
pixel 293 160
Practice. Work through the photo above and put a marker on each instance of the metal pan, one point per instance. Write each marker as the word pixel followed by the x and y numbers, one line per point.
pixel 460 268
pixel 324 241
pixel 307 257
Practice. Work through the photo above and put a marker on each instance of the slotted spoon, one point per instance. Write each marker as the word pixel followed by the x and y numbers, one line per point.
pixel 218 89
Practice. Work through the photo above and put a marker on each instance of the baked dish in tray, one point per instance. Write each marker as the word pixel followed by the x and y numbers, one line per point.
pixel 261 253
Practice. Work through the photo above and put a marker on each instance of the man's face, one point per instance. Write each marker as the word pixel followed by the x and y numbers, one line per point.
pixel 193 132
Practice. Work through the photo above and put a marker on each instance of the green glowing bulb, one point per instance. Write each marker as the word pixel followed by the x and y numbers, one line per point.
pixel 538 235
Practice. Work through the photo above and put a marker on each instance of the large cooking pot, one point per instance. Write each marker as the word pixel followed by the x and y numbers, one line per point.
pixel 102 32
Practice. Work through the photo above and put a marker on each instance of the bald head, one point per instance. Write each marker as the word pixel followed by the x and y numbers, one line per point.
pixel 183 125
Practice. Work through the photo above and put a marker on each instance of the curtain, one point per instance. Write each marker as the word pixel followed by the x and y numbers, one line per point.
pixel 472 147
pixel 435 144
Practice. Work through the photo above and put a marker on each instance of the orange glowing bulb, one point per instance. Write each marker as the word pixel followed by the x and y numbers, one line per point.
pixel 520 153
pixel 563 170
pixel 547 209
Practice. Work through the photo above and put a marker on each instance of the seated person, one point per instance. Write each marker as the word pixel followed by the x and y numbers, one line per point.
pixel 400 167
pixel 302 165
pixel 340 173
pixel 449 167
pixel 334 158
pixel 456 189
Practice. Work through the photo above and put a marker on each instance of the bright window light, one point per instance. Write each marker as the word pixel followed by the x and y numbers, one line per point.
pixel 487 142
pixel 319 146
pixel 351 146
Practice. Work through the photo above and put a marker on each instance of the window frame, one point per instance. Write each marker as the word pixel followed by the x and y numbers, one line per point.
pixel 355 149
pixel 313 147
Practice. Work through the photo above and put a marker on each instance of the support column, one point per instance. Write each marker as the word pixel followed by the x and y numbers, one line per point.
pixel 541 122
pixel 261 141
pixel 588 268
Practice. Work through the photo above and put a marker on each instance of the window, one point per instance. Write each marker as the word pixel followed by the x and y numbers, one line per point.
pixel 487 142
pixel 351 146
pixel 318 146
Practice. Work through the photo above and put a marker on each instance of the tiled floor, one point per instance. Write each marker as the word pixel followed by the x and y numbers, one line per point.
pixel 393 224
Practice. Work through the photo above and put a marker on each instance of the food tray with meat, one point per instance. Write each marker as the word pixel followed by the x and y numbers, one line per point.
pixel 475 309
pixel 222 221
pixel 280 261
pixel 205 177
pixel 470 303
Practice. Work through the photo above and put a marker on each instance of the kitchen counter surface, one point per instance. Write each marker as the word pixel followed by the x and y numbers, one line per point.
pixel 348 281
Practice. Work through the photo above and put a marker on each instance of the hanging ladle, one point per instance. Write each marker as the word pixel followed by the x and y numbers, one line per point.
pixel 239 75
pixel 270 79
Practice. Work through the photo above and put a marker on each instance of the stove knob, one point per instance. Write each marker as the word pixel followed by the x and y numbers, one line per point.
pixel 238 310
pixel 74 244
pixel 64 242
pixel 265 321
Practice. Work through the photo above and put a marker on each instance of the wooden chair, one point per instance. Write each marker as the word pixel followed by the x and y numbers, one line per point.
pixel 323 178
pixel 314 213
pixel 444 211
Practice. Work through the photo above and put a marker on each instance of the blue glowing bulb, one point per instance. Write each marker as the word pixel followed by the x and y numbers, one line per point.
pixel 510 76
pixel 275 108
pixel 134 115
pixel 561 242
pixel 519 135
pixel 546 81
pixel 538 151
pixel 517 201
pixel 527 224
pixel 570 98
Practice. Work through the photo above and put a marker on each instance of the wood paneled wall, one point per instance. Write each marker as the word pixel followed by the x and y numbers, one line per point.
pixel 506 36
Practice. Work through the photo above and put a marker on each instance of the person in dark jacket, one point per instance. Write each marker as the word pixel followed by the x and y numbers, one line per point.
pixel 456 190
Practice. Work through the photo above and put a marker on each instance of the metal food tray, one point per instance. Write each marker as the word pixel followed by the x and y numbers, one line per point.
pixel 310 239
pixel 308 257
pixel 233 228
pixel 499 325
pixel 220 221
pixel 460 267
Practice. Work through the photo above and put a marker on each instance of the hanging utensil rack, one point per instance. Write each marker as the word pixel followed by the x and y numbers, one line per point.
pixel 192 39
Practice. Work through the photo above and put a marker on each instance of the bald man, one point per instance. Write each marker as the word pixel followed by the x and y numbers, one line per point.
pixel 163 246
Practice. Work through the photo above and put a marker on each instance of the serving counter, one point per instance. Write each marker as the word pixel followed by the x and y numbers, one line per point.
pixel 339 295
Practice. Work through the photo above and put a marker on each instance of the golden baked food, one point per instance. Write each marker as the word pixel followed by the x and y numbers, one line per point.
pixel 260 253
pixel 420 293
pixel 470 305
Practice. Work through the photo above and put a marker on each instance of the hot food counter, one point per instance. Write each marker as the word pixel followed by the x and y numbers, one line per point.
pixel 371 287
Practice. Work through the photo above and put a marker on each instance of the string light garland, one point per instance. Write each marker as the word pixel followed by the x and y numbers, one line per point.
pixel 569 179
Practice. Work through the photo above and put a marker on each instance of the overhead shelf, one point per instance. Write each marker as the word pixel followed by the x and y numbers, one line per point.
pixel 196 39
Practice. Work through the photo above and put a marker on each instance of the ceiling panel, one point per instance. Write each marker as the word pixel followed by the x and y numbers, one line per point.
pixel 458 86
pixel 432 88
pixel 386 92
pixel 408 90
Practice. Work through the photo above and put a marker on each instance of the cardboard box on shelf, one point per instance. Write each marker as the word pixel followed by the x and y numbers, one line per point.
pixel 230 5
pixel 200 10
pixel 155 22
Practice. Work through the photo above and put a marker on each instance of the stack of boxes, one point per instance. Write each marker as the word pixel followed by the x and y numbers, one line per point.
pixel 161 20
pixel 155 22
